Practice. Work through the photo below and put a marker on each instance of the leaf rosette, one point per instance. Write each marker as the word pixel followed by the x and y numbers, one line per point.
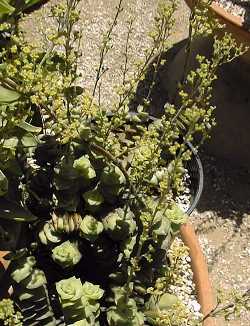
pixel 119 224
pixel 66 254
pixel 112 175
pixel 84 167
pixel 90 228
pixel 93 200
pixel 111 182
pixel 92 292
pixel 70 290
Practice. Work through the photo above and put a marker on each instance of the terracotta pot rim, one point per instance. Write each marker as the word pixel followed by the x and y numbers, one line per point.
pixel 235 22
pixel 220 11
pixel 200 272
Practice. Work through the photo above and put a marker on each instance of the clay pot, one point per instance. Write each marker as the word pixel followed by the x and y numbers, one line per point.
pixel 200 272
pixel 233 24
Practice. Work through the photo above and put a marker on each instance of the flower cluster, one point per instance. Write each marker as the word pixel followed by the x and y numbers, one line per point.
pixel 8 315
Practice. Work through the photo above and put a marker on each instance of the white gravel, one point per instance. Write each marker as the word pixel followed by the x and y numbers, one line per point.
pixel 185 289
pixel 222 222
pixel 239 8
pixel 184 199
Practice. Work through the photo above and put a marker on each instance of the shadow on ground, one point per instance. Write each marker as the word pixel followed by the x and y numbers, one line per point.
pixel 225 202
pixel 226 189
pixel 227 181
pixel 158 95
pixel 222 213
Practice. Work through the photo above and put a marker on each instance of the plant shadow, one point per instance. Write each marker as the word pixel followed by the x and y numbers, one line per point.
pixel 226 192
pixel 158 94
pixel 227 185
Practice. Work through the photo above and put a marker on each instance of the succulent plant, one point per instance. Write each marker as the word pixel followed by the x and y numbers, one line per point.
pixel 84 167
pixel 125 313
pixel 85 132
pixel 69 290
pixel 93 200
pixel 92 292
pixel 164 308
pixel 79 302
pixel 164 302
pixel 31 291
pixel 66 254
pixel 66 223
pixel 53 230
pixel 48 234
pixel 127 246
pixel 35 280
pixel 112 175
pixel 111 182
pixel 119 224
pixel 82 322
pixel 65 175
pixel 23 268
pixel 79 158
pixel 158 176
pixel 161 225
pixel 90 228
pixel 176 216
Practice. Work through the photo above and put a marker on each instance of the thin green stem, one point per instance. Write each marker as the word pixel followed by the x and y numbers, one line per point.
pixel 105 49
pixel 218 309
pixel 188 48
pixel 125 69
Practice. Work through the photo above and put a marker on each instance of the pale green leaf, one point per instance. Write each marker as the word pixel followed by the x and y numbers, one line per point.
pixel 7 95
pixel 10 143
pixel 29 140
pixel 30 3
pixel 28 127
pixel 5 7
pixel 3 184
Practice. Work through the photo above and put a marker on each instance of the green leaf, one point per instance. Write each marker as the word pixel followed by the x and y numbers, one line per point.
pixel 3 184
pixel 7 95
pixel 30 3
pixel 166 301
pixel 10 143
pixel 5 7
pixel 28 140
pixel 93 199
pixel 84 167
pixel 13 211
pixel 3 66
pixel 28 127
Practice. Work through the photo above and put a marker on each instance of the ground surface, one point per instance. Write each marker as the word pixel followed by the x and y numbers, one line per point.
pixel 223 215
pixel 222 221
